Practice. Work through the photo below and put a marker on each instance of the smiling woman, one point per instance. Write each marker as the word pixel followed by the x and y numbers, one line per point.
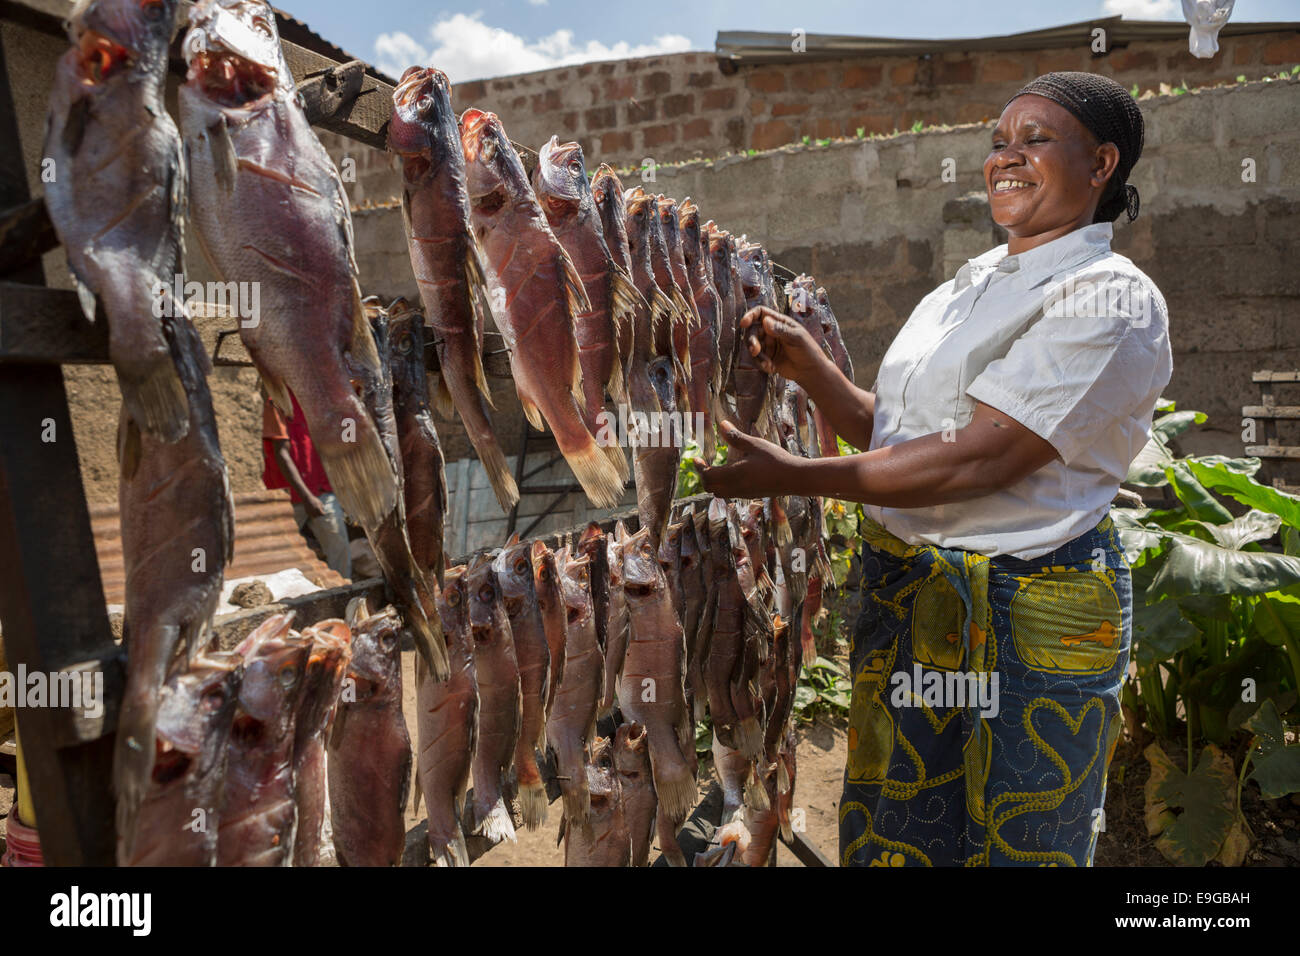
pixel 1004 417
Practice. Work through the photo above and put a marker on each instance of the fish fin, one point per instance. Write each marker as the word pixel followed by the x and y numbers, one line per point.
pixel 783 786
pixel 85 295
pixel 497 825
pixel 755 793
pixel 498 474
pixel 532 804
pixel 595 472
pixel 155 396
pixel 749 738
pixel 661 311
pixel 440 396
pixel 128 445
pixel 225 161
pixel 476 280
pixel 680 305
pixel 533 414
pixel 575 292
pixel 615 385
pixel 74 124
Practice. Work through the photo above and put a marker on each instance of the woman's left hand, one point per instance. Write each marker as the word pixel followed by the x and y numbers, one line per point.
pixel 755 468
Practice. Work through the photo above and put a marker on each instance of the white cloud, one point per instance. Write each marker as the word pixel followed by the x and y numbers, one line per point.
pixel 466 48
pixel 538 3
pixel 1142 9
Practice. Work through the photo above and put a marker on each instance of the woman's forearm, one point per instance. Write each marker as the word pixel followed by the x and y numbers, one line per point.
pixel 848 409
pixel 920 473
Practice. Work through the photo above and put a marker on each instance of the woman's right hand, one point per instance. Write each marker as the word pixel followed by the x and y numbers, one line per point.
pixel 781 345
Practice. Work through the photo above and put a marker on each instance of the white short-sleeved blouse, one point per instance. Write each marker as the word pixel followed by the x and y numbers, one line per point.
pixel 1071 340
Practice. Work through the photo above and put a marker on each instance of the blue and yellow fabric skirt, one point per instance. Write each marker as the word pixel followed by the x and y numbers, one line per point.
pixel 985 704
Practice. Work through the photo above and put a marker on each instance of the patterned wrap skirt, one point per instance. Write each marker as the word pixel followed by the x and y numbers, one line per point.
pixel 985 704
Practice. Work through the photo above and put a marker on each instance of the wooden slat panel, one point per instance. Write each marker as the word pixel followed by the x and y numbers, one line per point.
pixel 1267 376
pixel 1273 451
pixel 1270 411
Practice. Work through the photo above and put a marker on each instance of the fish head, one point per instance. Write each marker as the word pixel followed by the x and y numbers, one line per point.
pixel 639 217
pixel 668 223
pixel 663 376
pixel 275 661
pixel 486 612
pixel 670 547
pixel 424 129
pixel 560 180
pixel 114 37
pixel 642 575
pixel 376 664
pixel 688 221
pixel 802 293
pixel 575 575
pixel 751 279
pixel 494 174
pixel 546 576
pixel 632 753
pixel 234 55
pixel 406 351
pixel 452 606
pixel 690 545
pixel 195 709
pixel 514 572
pixel 606 188
pixel 591 539
pixel 614 559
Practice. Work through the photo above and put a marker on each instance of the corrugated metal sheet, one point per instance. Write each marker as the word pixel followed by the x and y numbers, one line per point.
pixel 744 48
pixel 266 541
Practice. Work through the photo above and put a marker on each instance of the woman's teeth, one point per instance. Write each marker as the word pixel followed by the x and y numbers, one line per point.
pixel 1006 184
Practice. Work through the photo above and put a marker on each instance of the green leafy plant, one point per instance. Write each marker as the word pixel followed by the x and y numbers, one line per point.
pixel 824 689
pixel 918 126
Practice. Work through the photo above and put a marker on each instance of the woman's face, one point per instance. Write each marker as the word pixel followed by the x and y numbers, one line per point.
pixel 1046 171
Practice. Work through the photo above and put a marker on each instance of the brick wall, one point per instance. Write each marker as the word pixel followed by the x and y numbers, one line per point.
pixel 682 106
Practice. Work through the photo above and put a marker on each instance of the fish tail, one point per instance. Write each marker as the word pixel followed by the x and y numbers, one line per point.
pixel 701 706
pixel 673 780
pixel 784 536
pixel 532 413
pixel 497 825
pixel 616 455
pixel 155 397
pixel 440 396
pixel 748 737
pixel 756 797
pixel 577 800
pixel 455 853
pixel 615 384
pixel 361 474
pixel 668 845
pixel 476 281
pixel 661 311
pixel 498 474
pixel 533 803
pixel 596 473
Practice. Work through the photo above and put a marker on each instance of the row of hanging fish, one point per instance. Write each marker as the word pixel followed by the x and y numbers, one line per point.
pixel 602 294
pixel 268 208
pixel 290 745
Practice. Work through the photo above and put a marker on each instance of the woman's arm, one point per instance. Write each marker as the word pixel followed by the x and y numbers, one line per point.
pixel 991 453
pixel 782 345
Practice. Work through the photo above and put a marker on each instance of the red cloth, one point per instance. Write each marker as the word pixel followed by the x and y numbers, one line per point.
pixel 301 451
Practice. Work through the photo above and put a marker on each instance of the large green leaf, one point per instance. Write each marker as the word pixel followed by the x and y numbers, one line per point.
pixel 1192 566
pixel 1148 468
pixel 1171 426
pixel 1207 798
pixel 1232 477
pixel 1160 631
pixel 1277 616
pixel 1198 500
pixel 1277 766
pixel 1254 525
pixel 1135 537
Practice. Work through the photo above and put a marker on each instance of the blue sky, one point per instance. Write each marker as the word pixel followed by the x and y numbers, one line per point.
pixel 474 38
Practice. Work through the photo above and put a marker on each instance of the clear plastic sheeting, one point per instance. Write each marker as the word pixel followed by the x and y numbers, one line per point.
pixel 1206 18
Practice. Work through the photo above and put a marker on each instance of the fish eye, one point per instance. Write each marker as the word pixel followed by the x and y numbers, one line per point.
pixel 213 700
pixel 388 641
pixel 521 566
pixel 575 167
pixel 153 9
pixel 288 676
pixel 404 344
pixel 485 594
pixel 263 25
pixel 425 103
pixel 453 597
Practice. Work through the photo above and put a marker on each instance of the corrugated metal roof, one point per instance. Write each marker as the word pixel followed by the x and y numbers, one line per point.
pixel 745 48
pixel 266 541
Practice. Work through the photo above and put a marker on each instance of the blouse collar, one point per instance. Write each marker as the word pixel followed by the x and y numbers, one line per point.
pixel 1041 261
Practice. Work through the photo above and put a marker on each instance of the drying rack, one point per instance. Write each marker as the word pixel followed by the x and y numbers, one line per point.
pixel 51 595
